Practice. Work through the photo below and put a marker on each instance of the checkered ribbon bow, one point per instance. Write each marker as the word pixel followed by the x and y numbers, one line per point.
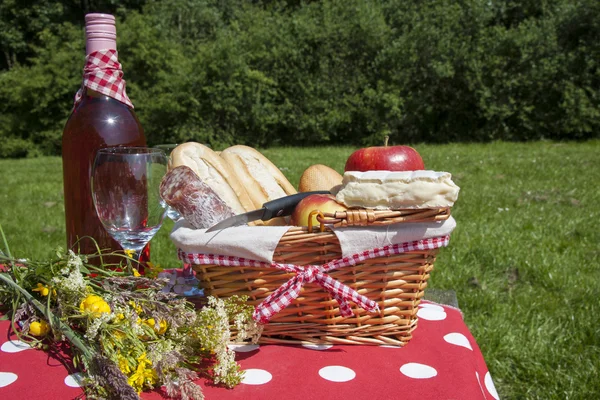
pixel 102 73
pixel 286 293
pixel 290 290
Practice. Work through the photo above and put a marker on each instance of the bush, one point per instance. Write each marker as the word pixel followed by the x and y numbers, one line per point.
pixel 35 100
pixel 331 72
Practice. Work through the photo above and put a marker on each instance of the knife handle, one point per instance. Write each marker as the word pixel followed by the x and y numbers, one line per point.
pixel 285 205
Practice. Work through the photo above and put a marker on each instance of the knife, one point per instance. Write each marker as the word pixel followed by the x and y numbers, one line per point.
pixel 271 209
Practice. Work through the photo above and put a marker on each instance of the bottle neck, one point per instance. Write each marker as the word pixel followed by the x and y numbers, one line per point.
pixel 100 32
pixel 102 68
pixel 99 44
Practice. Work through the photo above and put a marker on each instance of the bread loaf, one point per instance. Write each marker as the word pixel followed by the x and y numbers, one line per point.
pixel 319 177
pixel 214 172
pixel 262 180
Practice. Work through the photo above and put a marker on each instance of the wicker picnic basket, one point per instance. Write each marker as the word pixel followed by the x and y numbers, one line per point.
pixel 395 282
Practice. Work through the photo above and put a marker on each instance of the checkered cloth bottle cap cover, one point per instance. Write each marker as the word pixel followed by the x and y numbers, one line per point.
pixel 102 73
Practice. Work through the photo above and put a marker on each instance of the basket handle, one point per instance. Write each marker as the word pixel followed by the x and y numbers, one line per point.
pixel 320 218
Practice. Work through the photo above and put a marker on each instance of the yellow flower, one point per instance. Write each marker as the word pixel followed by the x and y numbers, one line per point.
pixel 44 290
pixel 152 270
pixel 142 359
pixel 119 334
pixel 94 305
pixel 138 309
pixel 136 380
pixel 162 325
pixel 144 375
pixel 136 273
pixel 39 328
pixel 124 365
pixel 130 253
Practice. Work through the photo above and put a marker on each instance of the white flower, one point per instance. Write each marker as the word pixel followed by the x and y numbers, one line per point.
pixel 73 282
pixel 225 363
pixel 74 260
pixel 71 279
pixel 137 328
pixel 92 330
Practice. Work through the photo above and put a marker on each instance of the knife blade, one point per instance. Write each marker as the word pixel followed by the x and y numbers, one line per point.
pixel 275 208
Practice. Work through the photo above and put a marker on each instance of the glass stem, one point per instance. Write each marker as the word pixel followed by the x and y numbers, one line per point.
pixel 135 256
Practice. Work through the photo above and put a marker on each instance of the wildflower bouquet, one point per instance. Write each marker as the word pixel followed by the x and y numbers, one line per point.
pixel 126 335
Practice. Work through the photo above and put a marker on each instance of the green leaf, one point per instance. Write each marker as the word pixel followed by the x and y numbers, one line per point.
pixel 84 269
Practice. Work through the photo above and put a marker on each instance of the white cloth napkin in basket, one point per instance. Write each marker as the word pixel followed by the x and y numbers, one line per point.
pixel 358 239
pixel 259 242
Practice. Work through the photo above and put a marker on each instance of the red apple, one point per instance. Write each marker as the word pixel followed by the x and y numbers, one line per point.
pixel 323 202
pixel 385 158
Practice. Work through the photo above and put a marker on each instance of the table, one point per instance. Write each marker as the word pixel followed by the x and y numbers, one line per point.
pixel 442 361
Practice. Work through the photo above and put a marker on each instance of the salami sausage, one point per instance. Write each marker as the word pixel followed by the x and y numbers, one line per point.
pixel 197 202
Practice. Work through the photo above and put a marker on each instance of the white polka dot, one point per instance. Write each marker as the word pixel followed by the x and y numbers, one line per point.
pixel 458 339
pixel 243 348
pixel 489 385
pixel 74 380
pixel 337 373
pixel 432 306
pixel 14 346
pixel 317 346
pixel 255 376
pixel 6 378
pixel 418 371
pixel 431 314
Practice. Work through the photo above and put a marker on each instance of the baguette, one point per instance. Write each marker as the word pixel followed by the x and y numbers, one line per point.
pixel 215 172
pixel 262 180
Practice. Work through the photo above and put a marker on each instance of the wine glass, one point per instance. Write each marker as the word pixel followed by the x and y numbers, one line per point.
pixel 125 189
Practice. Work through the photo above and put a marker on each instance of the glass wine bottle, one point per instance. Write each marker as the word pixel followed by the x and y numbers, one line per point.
pixel 102 117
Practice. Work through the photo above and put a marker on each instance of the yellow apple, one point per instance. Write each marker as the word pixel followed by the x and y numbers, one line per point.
pixel 323 202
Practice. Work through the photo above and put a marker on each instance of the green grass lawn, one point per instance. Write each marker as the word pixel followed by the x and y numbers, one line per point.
pixel 524 258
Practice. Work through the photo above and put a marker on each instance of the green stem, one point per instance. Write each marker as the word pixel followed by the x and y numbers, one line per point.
pixel 54 320
pixel 5 242
pixel 104 272
pixel 97 287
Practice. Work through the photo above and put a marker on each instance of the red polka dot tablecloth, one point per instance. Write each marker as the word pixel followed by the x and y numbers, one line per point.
pixel 442 361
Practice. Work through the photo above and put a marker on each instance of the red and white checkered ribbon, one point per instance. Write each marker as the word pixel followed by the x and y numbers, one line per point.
pixel 102 73
pixel 290 290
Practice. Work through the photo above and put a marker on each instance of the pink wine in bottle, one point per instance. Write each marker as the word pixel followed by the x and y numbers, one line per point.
pixel 102 117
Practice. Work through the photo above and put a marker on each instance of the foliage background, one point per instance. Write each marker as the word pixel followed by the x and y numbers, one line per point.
pixel 271 73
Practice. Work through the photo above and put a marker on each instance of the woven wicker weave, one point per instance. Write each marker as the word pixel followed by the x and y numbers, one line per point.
pixel 364 217
pixel 396 282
